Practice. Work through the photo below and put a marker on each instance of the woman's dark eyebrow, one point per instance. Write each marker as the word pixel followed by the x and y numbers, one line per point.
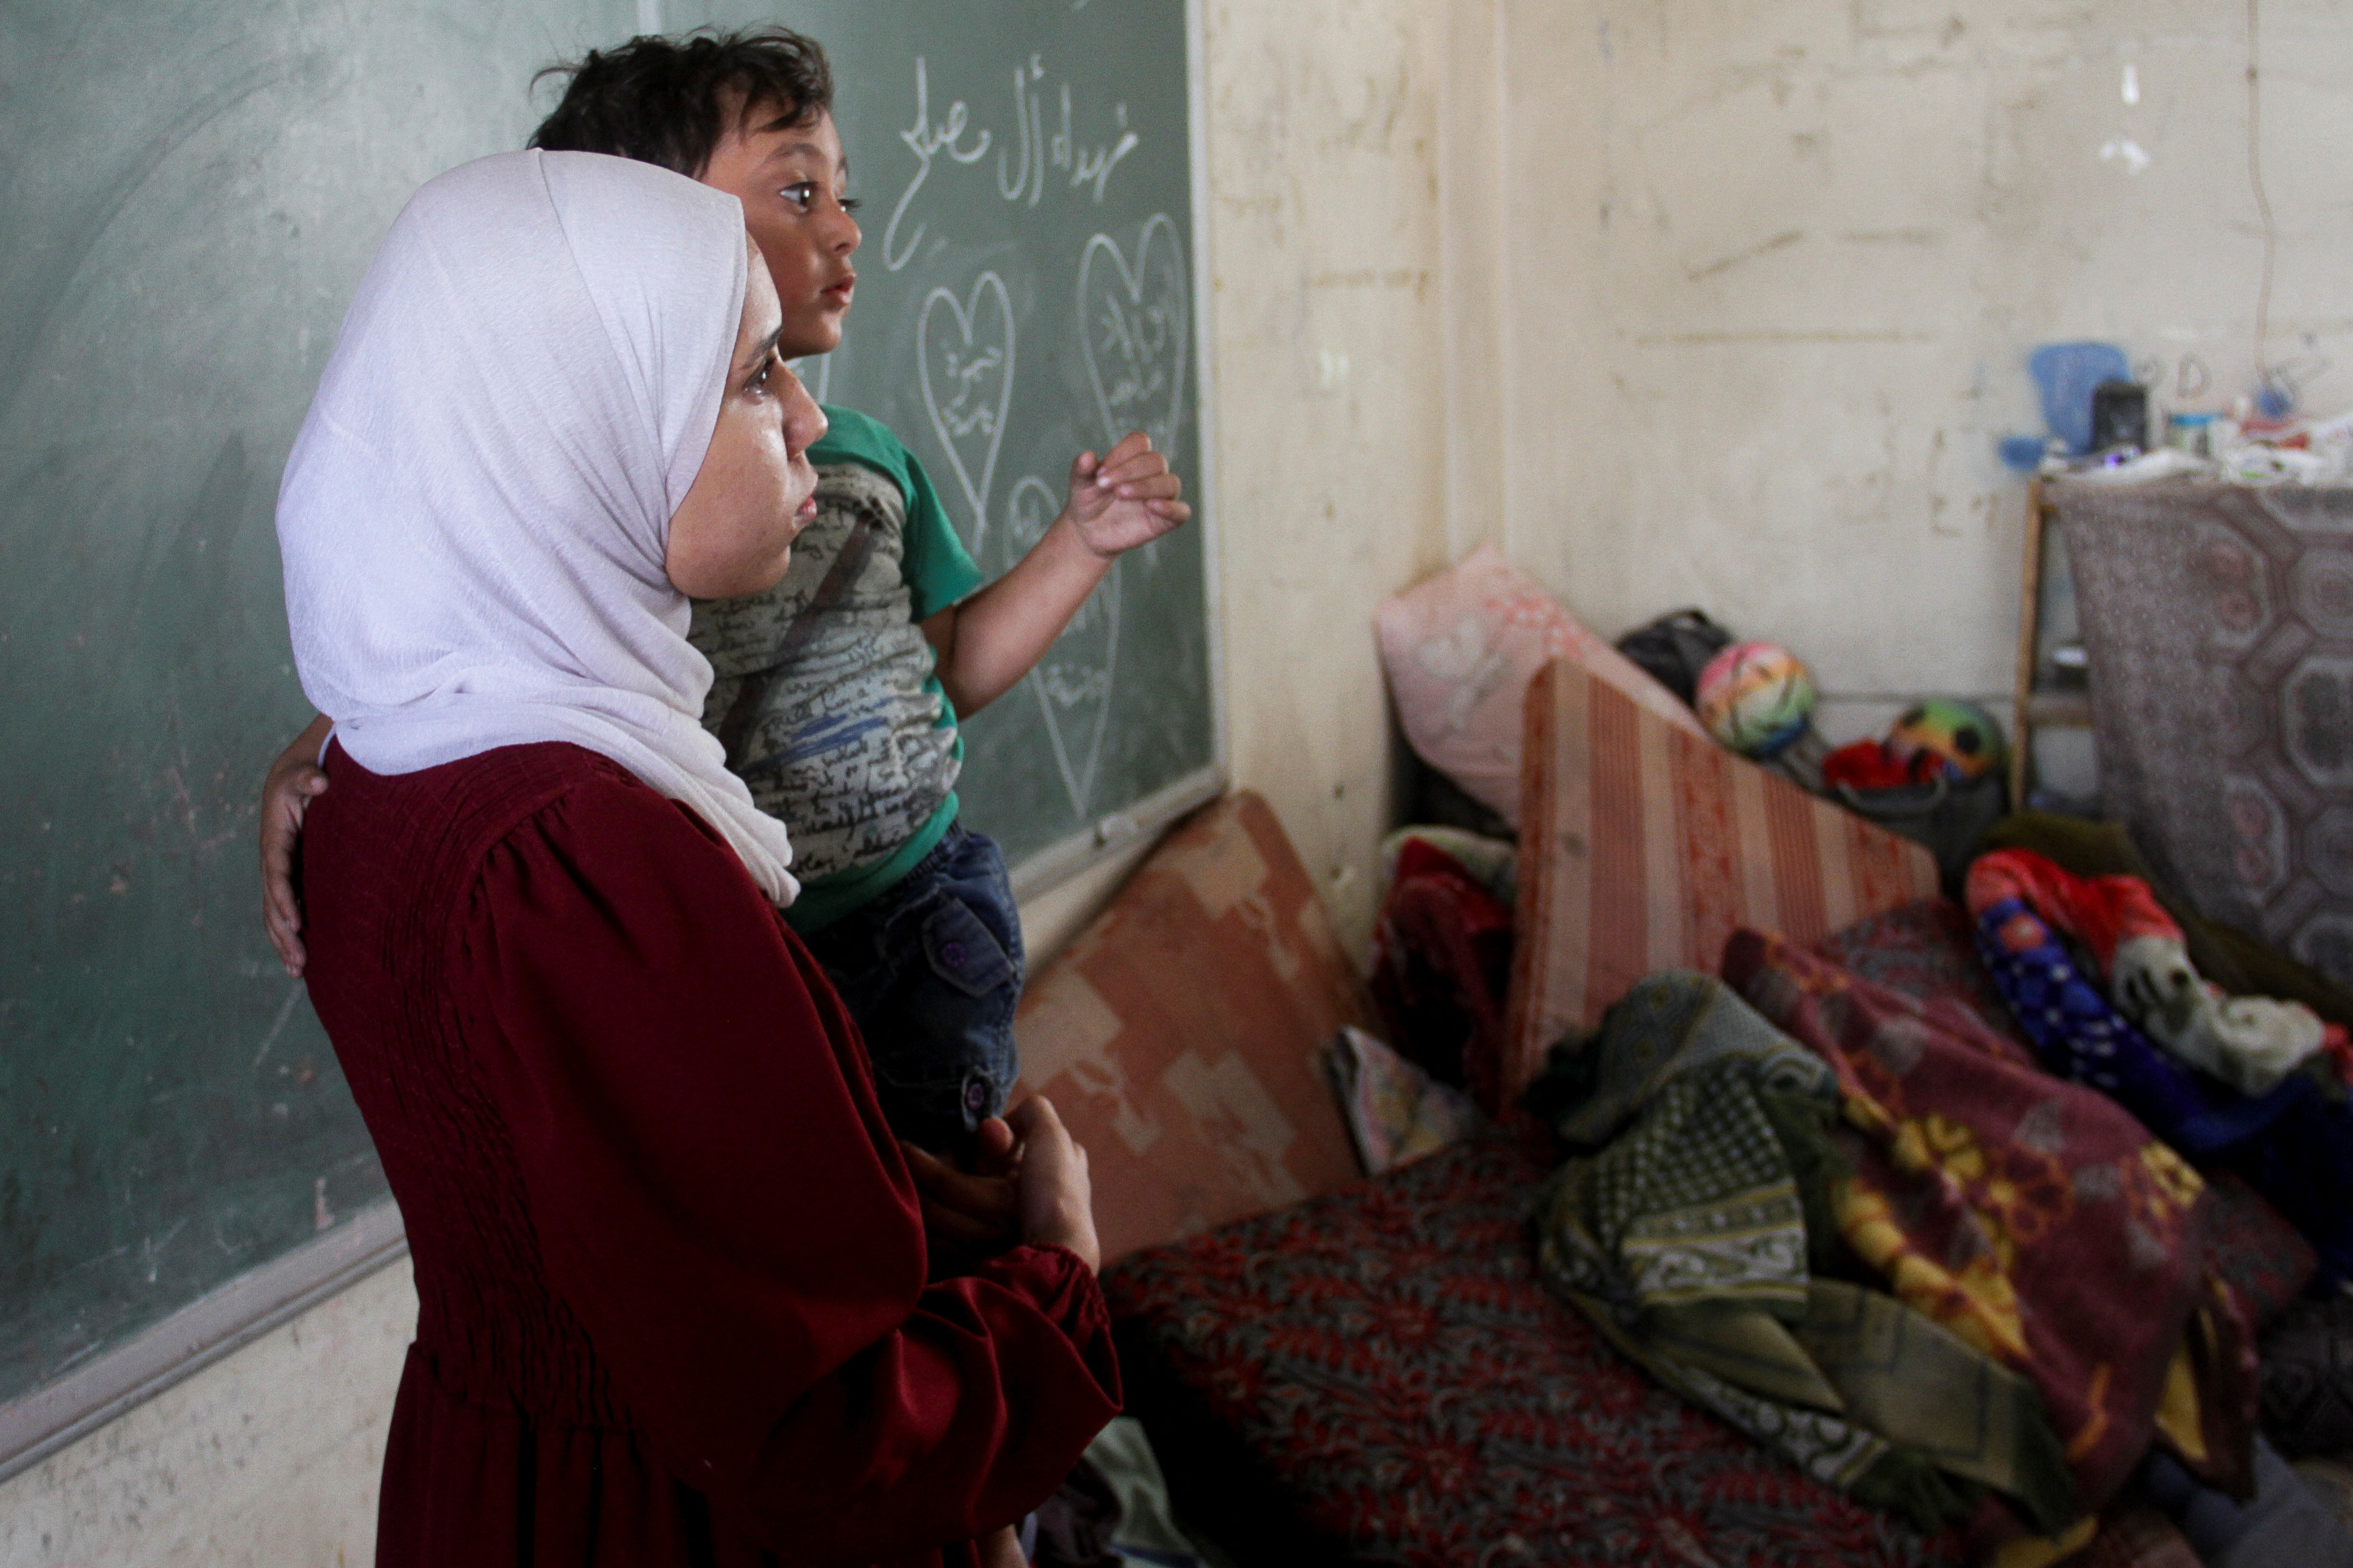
pixel 760 352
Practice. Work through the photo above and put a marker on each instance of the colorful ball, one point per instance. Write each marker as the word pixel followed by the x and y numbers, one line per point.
pixel 1754 697
pixel 1959 740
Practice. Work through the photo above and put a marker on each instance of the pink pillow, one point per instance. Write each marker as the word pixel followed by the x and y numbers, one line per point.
pixel 1459 650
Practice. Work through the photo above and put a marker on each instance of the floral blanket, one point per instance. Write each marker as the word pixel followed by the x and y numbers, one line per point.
pixel 2294 1144
pixel 1682 1229
pixel 2032 1217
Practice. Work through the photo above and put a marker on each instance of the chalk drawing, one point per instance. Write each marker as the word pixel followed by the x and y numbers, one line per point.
pixel 927 142
pixel 1073 681
pixel 1036 151
pixel 277 1024
pixel 1132 328
pixel 963 349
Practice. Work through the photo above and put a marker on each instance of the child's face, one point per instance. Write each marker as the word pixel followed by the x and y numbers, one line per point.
pixel 791 180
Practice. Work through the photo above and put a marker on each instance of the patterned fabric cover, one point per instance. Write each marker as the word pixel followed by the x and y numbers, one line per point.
pixel 1396 1378
pixel 1927 950
pixel 1181 1036
pixel 2218 620
pixel 1643 848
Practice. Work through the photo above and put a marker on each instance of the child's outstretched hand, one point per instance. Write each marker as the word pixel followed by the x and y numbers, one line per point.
pixel 1126 499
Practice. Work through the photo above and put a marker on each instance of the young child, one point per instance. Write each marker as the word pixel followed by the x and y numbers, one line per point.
pixel 836 694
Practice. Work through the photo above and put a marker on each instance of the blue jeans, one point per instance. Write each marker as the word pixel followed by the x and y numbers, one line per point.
pixel 932 972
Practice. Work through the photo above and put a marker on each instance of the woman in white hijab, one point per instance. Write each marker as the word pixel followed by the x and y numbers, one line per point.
pixel 669 1264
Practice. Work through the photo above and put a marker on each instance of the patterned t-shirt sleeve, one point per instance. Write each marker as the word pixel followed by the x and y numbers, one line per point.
pixel 937 568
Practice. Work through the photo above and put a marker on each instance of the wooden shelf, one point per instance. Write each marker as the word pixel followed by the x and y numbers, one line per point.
pixel 2036 707
pixel 2059 709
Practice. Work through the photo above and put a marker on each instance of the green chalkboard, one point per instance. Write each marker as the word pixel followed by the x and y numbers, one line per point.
pixel 189 191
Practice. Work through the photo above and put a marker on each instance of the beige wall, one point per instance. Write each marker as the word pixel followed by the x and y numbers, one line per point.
pixel 1775 272
pixel 267 1460
pixel 1329 359
pixel 1684 300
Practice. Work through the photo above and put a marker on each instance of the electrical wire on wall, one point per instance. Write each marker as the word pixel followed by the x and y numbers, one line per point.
pixel 2263 382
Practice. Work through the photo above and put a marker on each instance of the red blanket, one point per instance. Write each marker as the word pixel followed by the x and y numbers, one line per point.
pixel 2031 1216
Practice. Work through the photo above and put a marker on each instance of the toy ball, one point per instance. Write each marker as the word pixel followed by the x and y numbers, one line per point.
pixel 1959 740
pixel 1754 697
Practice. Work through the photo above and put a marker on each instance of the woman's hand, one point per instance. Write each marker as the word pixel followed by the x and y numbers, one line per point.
pixel 293 781
pixel 1001 1548
pixel 1057 1201
pixel 969 1216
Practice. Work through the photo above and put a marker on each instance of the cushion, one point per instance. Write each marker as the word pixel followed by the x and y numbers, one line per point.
pixel 1379 1376
pixel 1459 649
pixel 1645 846
pixel 1181 1035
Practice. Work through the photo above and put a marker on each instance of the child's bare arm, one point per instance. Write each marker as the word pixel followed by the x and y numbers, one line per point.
pixel 293 781
pixel 991 639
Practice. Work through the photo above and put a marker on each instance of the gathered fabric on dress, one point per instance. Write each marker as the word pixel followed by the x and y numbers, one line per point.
pixel 669 1264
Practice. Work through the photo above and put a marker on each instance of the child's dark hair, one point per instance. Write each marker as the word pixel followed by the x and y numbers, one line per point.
pixel 670 101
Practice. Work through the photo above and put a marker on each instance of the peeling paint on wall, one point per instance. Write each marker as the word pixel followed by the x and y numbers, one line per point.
pixel 1793 261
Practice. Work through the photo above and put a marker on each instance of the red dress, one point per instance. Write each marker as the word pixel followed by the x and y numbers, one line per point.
pixel 669 1265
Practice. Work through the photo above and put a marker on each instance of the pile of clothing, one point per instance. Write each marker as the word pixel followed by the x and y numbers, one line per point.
pixel 1881 1241
pixel 2099 975
pixel 1979 1256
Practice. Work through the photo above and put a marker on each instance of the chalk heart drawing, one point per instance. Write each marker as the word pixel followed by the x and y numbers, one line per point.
pixel 1132 325
pixel 964 348
pixel 1073 681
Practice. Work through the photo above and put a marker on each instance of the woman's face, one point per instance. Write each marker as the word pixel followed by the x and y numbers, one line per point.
pixel 733 532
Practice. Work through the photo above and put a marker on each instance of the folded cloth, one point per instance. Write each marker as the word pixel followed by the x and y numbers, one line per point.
pixel 2294 1145
pixel 1681 1232
pixel 1441 966
pixel 1869 764
pixel 2249 1042
pixel 1493 863
pixel 1396 1113
pixel 2033 1218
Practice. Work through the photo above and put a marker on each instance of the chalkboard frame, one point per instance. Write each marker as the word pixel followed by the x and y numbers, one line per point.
pixel 58 1413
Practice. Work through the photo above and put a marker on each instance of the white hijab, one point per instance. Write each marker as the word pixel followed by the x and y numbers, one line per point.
pixel 476 513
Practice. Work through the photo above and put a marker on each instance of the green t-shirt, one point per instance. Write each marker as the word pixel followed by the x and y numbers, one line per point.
pixel 825 692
